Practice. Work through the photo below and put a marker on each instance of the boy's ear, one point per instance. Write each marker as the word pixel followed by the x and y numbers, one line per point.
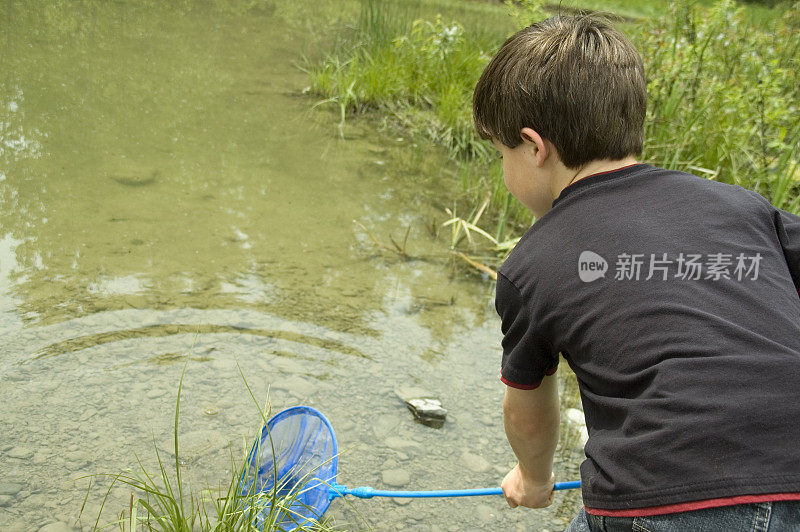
pixel 539 146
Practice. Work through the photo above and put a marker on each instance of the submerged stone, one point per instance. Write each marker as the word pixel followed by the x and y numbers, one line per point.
pixel 10 488
pixel 475 463
pixel 428 411
pixel 484 512
pixel 399 444
pixel 396 477
pixel 21 453
pixel 58 526
pixel 425 407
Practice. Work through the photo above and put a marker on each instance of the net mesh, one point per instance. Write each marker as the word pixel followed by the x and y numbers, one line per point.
pixel 296 459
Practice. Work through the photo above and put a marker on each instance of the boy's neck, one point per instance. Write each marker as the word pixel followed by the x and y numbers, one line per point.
pixel 568 176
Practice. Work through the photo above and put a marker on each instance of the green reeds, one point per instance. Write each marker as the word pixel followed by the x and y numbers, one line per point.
pixel 723 98
pixel 420 72
pixel 723 93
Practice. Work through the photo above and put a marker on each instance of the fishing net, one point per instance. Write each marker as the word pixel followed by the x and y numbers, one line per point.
pixel 290 478
pixel 293 464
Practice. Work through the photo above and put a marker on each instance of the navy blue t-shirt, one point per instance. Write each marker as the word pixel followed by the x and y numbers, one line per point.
pixel 674 299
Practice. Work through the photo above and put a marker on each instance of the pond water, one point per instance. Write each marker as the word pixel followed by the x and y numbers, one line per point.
pixel 167 192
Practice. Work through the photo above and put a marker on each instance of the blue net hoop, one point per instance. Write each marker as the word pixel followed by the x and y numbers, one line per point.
pixel 295 459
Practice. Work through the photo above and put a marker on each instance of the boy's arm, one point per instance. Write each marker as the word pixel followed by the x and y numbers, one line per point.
pixel 531 419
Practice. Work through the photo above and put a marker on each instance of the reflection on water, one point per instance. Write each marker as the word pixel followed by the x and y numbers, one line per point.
pixel 165 191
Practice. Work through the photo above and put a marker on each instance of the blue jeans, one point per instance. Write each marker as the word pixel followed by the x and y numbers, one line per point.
pixel 762 517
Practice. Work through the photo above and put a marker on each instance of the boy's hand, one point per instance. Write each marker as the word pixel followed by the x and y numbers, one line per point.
pixel 522 491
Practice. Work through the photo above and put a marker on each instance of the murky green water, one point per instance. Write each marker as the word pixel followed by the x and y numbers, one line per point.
pixel 165 188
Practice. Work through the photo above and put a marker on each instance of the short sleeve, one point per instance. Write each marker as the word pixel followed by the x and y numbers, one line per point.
pixel 788 227
pixel 527 354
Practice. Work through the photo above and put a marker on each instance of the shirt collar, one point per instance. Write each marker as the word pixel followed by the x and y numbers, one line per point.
pixel 599 177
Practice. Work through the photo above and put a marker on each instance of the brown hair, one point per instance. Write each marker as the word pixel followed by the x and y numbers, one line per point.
pixel 575 80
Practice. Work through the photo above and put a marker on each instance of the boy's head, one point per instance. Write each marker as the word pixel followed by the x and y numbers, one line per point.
pixel 575 80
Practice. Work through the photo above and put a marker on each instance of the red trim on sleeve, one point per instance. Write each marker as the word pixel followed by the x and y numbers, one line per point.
pixel 798 291
pixel 520 386
pixel 694 505
pixel 507 382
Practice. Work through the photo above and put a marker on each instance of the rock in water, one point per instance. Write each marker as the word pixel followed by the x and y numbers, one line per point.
pixel 57 527
pixel 474 462
pixel 426 408
pixel 395 477
pixel 22 453
pixel 10 488
pixel 428 411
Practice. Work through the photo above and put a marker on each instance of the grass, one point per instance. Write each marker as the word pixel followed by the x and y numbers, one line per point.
pixel 723 91
pixel 160 502
pixel 724 99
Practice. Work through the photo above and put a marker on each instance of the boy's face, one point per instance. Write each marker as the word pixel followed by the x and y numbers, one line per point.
pixel 527 180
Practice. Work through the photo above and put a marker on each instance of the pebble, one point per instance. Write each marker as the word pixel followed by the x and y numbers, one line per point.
pixel 22 453
pixel 90 413
pixel 475 463
pixel 484 512
pixel 399 444
pixel 288 366
pixel 57 527
pixel 488 421
pixel 575 416
pixel 389 464
pixel 155 393
pixel 194 444
pixel 383 425
pixel 9 488
pixel 396 477
pixel 297 386
pixel 428 411
pixel 345 426
pixel 6 500
pixel 226 363
pixel 401 501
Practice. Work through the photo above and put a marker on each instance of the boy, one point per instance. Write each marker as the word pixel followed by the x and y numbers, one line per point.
pixel 673 298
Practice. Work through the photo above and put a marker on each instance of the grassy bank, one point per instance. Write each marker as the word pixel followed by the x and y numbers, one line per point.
pixel 723 95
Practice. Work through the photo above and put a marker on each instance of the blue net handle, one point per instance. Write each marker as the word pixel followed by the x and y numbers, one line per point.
pixel 366 492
